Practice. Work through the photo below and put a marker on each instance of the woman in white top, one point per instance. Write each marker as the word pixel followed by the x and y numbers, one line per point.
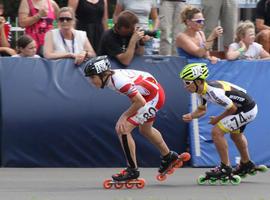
pixel 244 46
pixel 26 47
pixel 66 42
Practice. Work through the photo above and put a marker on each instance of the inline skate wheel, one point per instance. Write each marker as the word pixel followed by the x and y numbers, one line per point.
pixel 185 156
pixel 201 180
pixel 140 184
pixel 252 173
pixel 129 184
pixel 179 164
pixel 170 171
pixel 262 168
pixel 224 181
pixel 161 177
pixel 243 175
pixel 107 184
pixel 212 181
pixel 118 185
pixel 236 180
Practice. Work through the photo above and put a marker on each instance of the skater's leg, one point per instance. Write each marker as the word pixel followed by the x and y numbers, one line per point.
pixel 241 143
pixel 129 148
pixel 128 145
pixel 155 137
pixel 221 145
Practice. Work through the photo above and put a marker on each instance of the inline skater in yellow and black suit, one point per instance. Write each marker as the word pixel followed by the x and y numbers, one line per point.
pixel 240 109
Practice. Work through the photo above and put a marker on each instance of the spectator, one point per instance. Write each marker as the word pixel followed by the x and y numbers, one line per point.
pixel 124 40
pixel 170 25
pixel 263 24
pixel 27 47
pixel 224 10
pixel 244 46
pixel 66 42
pixel 142 9
pixel 192 43
pixel 92 17
pixel 37 18
pixel 5 34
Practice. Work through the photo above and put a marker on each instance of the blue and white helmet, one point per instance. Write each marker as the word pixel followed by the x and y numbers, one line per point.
pixel 97 65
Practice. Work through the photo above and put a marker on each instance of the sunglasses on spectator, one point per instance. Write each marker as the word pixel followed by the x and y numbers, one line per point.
pixel 62 19
pixel 198 21
pixel 187 83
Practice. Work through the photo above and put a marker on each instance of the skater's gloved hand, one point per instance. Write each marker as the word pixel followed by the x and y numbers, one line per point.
pixel 213 120
pixel 187 117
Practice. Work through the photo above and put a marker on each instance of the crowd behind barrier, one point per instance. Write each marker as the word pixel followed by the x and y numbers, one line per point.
pixel 17 31
pixel 52 117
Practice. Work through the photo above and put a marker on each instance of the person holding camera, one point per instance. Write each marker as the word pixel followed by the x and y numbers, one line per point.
pixel 143 10
pixel 124 40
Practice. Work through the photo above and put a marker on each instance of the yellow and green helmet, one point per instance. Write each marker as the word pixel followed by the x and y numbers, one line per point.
pixel 194 71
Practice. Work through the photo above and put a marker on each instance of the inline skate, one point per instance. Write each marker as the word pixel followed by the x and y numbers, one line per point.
pixel 222 174
pixel 170 163
pixel 243 169
pixel 127 178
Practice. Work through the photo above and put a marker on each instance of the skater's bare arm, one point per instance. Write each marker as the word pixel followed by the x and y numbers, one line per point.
pixel 215 119
pixel 136 103
pixel 201 110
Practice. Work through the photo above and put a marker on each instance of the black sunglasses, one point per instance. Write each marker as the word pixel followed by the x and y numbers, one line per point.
pixel 62 19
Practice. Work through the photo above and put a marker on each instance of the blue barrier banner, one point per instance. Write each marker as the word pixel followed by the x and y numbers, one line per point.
pixel 252 76
pixel 52 116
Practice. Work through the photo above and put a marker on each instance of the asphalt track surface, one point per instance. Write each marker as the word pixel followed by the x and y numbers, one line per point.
pixel 86 184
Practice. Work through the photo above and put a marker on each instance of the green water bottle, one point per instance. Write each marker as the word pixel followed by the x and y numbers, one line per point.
pixel 55 25
pixel 110 23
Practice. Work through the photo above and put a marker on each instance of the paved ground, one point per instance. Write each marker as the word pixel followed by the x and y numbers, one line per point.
pixel 86 184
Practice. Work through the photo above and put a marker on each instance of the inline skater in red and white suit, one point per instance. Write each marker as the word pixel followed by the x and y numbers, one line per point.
pixel 146 96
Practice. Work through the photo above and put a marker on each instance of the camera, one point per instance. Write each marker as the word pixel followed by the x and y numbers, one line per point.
pixel 150 33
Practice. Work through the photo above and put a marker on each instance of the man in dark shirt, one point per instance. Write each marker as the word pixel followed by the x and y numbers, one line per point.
pixel 124 40
pixel 263 23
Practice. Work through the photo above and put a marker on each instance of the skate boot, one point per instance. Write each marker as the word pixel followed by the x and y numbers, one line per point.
pixel 167 161
pixel 248 168
pixel 126 174
pixel 170 163
pixel 222 174
pixel 127 178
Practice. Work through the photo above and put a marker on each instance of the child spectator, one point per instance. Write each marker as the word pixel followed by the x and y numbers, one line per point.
pixel 244 46
pixel 27 47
